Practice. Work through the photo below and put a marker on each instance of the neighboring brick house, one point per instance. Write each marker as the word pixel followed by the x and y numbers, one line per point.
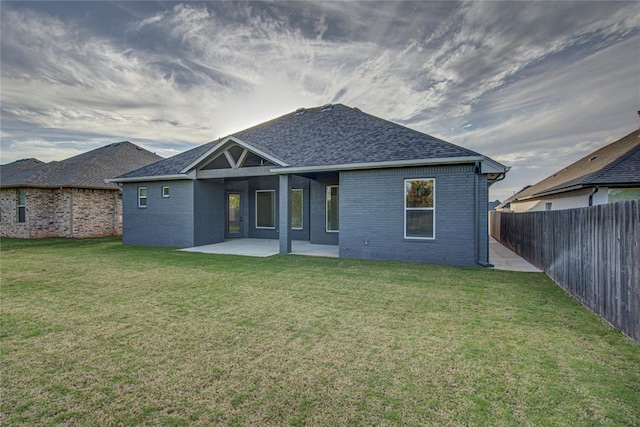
pixel 69 198
pixel 330 175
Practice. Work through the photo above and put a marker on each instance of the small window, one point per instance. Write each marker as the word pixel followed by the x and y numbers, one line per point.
pixel 165 191
pixel 142 197
pixel 548 206
pixel 266 209
pixel 296 209
pixel 333 209
pixel 22 206
pixel 419 208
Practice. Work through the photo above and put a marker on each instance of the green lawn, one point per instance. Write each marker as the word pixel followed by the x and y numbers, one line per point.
pixel 96 333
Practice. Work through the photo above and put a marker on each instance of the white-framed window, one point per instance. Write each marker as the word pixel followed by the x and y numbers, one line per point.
pixel 296 209
pixel 266 209
pixel 165 191
pixel 142 197
pixel 419 208
pixel 22 205
pixel 333 209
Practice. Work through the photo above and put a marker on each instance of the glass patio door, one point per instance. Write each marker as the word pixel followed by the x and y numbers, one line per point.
pixel 234 215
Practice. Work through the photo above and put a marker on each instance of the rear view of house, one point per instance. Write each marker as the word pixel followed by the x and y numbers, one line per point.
pixel 328 175
pixel 69 198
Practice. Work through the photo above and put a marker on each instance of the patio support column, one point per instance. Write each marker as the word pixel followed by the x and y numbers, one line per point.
pixel 284 209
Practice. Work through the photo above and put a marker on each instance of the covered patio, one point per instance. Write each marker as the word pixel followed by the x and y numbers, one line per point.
pixel 264 248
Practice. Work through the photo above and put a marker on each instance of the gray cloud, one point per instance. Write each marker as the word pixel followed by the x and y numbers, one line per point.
pixel 531 83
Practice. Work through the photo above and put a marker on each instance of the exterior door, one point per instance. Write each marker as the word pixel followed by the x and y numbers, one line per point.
pixel 234 215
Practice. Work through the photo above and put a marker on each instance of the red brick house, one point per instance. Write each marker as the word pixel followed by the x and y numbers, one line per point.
pixel 69 198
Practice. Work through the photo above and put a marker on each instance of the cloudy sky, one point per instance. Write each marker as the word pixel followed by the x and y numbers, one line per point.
pixel 534 85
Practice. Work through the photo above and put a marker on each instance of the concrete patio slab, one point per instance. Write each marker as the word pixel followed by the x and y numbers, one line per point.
pixel 501 257
pixel 264 248
pixel 504 258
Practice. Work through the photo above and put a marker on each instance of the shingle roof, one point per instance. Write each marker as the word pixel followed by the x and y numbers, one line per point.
pixel 615 164
pixel 325 136
pixel 21 165
pixel 343 135
pixel 173 165
pixel 87 170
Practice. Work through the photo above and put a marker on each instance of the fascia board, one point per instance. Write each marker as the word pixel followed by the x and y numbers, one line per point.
pixel 379 165
pixel 550 193
pixel 225 142
pixel 151 178
pixel 491 166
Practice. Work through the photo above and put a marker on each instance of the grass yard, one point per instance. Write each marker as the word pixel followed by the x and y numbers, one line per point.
pixel 96 333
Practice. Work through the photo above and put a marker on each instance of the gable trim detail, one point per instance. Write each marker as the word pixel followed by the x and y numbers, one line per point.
pixel 242 144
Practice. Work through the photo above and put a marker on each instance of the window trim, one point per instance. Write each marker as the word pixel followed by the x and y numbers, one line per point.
pixel 165 194
pixel 273 192
pixel 301 208
pixel 21 206
pixel 141 197
pixel 406 209
pixel 326 208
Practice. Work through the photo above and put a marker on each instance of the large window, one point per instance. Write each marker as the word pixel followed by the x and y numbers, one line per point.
pixel 142 197
pixel 296 209
pixel 419 208
pixel 22 206
pixel 333 208
pixel 265 209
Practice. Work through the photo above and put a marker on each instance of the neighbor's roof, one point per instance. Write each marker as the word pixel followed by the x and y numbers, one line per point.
pixel 87 170
pixel 616 164
pixel 323 136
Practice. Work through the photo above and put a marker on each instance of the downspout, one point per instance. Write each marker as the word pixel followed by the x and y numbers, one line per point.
pixel 594 191
pixel 476 198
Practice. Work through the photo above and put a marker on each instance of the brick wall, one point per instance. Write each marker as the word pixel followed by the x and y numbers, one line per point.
pixel 66 212
pixel 372 216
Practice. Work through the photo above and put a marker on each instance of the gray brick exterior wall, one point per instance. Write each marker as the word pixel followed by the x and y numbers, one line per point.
pixel 318 211
pixel 195 212
pixel 209 220
pixel 372 215
pixel 165 221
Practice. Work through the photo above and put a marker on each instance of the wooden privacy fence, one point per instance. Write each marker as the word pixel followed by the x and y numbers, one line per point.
pixel 593 253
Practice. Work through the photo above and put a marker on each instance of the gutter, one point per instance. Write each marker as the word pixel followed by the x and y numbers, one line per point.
pixel 501 176
pixel 379 165
pixel 151 178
